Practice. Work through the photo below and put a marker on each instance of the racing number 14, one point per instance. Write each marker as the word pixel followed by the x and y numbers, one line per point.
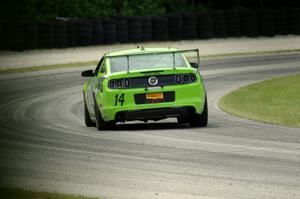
pixel 120 99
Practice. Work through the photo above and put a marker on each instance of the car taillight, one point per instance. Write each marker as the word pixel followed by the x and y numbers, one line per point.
pixel 178 79
pixel 185 78
pixel 119 83
pixel 193 78
pixel 112 84
pixel 127 83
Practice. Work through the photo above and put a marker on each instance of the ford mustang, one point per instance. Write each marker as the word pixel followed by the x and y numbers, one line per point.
pixel 145 84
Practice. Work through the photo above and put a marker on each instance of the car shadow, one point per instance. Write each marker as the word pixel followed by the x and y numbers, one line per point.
pixel 149 126
pixel 155 126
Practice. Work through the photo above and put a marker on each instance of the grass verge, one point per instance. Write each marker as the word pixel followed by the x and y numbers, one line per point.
pixel 273 101
pixel 13 193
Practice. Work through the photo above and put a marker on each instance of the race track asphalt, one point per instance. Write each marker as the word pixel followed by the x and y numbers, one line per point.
pixel 45 146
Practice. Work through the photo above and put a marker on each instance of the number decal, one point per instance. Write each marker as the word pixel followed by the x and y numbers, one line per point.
pixel 119 100
pixel 116 100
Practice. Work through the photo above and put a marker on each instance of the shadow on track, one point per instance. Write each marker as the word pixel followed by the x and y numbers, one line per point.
pixel 154 126
pixel 149 126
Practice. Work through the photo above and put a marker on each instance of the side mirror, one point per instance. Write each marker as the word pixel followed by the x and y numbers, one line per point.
pixel 195 65
pixel 87 73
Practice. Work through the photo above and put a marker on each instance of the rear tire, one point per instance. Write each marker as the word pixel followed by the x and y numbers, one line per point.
pixel 200 120
pixel 87 118
pixel 100 123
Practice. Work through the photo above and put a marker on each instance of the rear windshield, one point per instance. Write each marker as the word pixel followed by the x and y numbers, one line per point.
pixel 151 61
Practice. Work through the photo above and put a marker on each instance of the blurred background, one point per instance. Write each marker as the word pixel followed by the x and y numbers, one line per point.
pixel 36 24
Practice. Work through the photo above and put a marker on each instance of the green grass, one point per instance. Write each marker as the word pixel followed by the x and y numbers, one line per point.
pixel 12 193
pixel 6 70
pixel 275 101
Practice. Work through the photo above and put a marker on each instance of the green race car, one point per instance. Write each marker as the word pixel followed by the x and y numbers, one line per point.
pixel 145 84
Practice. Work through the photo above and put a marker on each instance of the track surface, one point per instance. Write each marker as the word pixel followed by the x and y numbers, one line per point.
pixel 44 144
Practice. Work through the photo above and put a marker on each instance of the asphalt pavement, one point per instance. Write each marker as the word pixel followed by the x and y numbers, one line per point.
pixel 45 146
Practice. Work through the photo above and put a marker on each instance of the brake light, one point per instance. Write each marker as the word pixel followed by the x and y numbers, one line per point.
pixel 178 79
pixel 112 84
pixel 193 78
pixel 119 83
pixel 185 78
pixel 127 83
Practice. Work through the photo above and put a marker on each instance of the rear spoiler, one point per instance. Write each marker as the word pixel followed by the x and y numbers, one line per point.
pixel 156 53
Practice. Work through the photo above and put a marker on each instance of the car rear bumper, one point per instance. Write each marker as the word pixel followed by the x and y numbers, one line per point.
pixel 154 113
pixel 134 104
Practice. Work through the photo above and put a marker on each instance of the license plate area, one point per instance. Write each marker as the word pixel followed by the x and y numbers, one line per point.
pixel 154 96
pixel 149 98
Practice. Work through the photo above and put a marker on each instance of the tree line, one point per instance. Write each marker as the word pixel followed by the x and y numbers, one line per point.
pixel 45 10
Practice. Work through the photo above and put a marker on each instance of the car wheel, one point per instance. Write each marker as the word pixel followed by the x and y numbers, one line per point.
pixel 200 120
pixel 87 118
pixel 100 123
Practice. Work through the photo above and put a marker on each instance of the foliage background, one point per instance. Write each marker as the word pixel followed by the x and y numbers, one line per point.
pixel 42 10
